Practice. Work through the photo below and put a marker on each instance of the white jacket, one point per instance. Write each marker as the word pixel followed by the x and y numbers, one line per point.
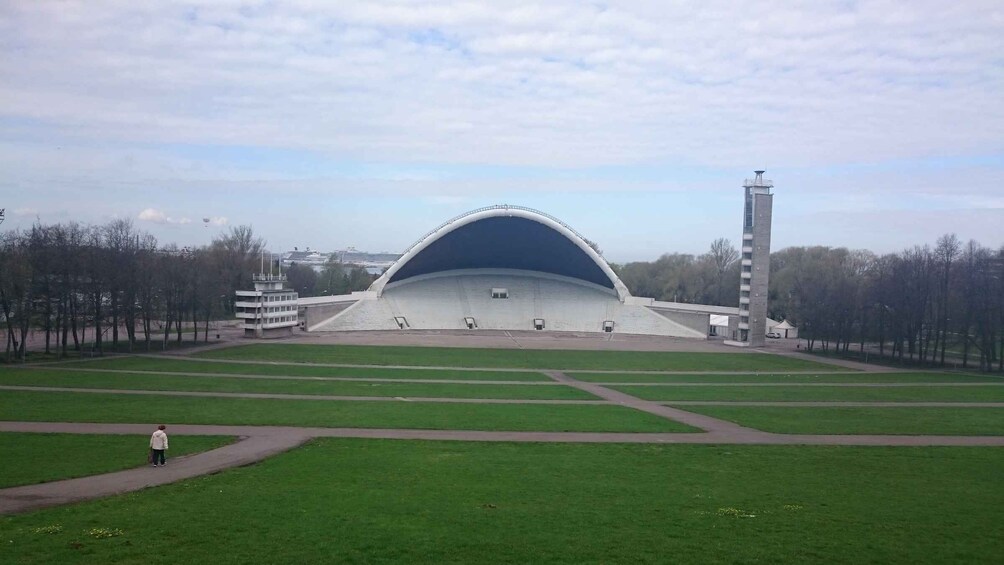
pixel 158 440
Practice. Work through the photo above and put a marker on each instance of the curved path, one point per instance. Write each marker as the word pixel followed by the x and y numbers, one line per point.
pixel 250 448
pixel 260 442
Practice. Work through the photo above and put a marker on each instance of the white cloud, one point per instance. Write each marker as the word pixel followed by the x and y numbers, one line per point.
pixel 842 102
pixel 158 217
pixel 24 212
pixel 560 84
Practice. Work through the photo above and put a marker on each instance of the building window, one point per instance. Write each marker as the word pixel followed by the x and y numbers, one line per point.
pixel 501 293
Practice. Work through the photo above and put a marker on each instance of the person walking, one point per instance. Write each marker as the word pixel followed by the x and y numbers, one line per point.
pixel 158 445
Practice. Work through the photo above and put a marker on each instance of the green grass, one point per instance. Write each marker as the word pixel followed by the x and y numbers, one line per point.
pixel 30 458
pixel 88 350
pixel 896 421
pixel 117 408
pixel 516 358
pixel 140 381
pixel 819 393
pixel 783 378
pixel 381 501
pixel 189 365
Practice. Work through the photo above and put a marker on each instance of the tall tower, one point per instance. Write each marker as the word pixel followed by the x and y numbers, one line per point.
pixel 755 270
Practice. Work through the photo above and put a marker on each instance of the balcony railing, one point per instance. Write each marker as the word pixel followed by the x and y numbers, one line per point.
pixel 762 183
pixel 262 277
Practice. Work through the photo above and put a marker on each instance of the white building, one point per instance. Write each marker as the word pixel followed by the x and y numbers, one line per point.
pixel 269 310
pixel 505 268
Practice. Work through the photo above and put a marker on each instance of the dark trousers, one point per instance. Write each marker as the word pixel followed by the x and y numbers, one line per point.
pixel 157 456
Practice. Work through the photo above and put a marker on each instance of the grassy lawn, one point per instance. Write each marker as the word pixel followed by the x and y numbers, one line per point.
pixel 30 458
pixel 516 358
pixel 119 408
pixel 190 365
pixel 375 501
pixel 140 381
pixel 819 393
pixel 896 421
pixel 855 377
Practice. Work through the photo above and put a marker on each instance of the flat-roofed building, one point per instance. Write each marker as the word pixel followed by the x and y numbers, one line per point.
pixel 270 310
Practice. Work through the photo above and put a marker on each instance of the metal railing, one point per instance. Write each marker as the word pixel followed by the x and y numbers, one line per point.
pixel 485 209
pixel 262 277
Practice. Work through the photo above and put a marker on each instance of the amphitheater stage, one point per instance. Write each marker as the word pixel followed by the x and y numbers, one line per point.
pixel 509 339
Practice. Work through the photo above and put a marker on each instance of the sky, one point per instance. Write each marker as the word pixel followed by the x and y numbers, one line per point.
pixel 366 124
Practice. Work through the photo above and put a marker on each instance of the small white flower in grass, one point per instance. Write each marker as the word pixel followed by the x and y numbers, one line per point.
pixel 101 533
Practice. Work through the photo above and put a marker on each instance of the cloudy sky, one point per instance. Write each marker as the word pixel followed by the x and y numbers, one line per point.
pixel 335 124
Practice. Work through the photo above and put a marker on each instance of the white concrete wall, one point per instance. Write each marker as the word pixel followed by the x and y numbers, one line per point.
pixel 443 301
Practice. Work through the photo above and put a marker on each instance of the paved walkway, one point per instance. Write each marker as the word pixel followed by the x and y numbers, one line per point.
pixel 250 448
pixel 186 357
pixel 260 442
pixel 833 404
pixel 279 396
pixel 701 421
pixel 608 397
pixel 298 377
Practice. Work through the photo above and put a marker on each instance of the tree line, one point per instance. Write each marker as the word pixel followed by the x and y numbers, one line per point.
pixel 91 285
pixel 86 286
pixel 334 278
pixel 709 278
pixel 941 305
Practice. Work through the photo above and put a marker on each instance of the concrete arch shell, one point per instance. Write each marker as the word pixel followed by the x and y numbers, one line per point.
pixel 504 237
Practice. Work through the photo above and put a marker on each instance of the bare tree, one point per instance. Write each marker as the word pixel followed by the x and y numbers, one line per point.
pixel 724 256
pixel 945 254
pixel 237 254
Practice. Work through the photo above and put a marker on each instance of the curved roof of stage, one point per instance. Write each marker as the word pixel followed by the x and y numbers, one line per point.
pixel 504 237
